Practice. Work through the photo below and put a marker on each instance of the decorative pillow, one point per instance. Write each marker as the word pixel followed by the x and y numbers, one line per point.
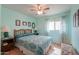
pixel 21 35
pixel 26 34
pixel 18 36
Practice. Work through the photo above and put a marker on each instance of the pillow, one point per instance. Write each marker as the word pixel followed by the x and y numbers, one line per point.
pixel 18 36
pixel 26 34
pixel 21 35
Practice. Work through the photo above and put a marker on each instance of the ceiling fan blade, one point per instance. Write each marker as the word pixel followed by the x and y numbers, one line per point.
pixel 33 9
pixel 46 9
pixel 39 8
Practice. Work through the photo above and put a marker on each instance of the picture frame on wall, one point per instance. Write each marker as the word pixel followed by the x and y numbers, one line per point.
pixel 76 19
pixel 33 25
pixel 24 23
pixel 18 22
pixel 29 24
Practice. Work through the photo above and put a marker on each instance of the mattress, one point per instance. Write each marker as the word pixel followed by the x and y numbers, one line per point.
pixel 35 43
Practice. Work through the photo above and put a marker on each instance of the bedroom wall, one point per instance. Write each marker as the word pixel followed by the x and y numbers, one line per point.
pixel 9 16
pixel 0 21
pixel 0 28
pixel 75 30
pixel 67 37
pixel 42 25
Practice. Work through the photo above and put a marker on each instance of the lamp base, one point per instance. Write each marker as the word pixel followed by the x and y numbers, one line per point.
pixel 6 34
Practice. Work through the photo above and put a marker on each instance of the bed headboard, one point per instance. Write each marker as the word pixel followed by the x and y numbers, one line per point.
pixel 22 31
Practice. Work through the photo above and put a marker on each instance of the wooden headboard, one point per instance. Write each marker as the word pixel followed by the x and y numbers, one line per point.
pixel 22 31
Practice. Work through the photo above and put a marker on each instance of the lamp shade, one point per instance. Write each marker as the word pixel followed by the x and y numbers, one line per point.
pixel 5 29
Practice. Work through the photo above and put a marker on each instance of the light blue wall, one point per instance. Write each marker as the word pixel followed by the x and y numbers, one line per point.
pixel 68 28
pixel 0 21
pixel 0 28
pixel 75 30
pixel 9 16
pixel 41 26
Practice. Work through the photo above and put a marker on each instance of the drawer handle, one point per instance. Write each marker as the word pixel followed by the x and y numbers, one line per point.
pixel 5 44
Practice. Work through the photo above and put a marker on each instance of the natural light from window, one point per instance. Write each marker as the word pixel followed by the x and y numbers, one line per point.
pixel 54 25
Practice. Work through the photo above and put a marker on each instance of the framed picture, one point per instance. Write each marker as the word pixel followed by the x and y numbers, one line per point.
pixel 24 23
pixel 18 22
pixel 76 19
pixel 33 25
pixel 29 24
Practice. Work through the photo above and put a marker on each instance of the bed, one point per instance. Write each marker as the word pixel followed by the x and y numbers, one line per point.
pixel 32 44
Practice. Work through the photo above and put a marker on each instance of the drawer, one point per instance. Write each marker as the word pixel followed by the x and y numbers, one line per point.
pixel 5 47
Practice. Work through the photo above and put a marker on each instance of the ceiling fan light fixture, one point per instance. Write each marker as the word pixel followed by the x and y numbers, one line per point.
pixel 39 12
pixel 40 9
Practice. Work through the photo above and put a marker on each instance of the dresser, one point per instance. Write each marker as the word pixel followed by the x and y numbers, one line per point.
pixel 7 44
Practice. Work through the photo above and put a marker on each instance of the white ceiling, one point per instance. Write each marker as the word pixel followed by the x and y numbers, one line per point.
pixel 25 8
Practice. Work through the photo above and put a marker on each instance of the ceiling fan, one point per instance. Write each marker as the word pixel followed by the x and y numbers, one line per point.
pixel 40 9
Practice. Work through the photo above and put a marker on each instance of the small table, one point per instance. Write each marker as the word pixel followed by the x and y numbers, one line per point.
pixel 7 44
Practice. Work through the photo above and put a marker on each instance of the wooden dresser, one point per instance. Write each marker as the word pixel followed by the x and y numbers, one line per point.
pixel 7 44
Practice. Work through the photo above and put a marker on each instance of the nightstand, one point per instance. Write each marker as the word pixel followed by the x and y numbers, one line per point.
pixel 7 44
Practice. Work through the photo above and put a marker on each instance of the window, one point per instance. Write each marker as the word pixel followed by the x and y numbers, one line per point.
pixel 54 25
pixel 51 26
pixel 58 25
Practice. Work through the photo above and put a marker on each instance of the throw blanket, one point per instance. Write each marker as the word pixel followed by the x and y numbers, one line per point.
pixel 35 43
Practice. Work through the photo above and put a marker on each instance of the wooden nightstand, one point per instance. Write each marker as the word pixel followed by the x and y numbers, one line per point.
pixel 7 44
